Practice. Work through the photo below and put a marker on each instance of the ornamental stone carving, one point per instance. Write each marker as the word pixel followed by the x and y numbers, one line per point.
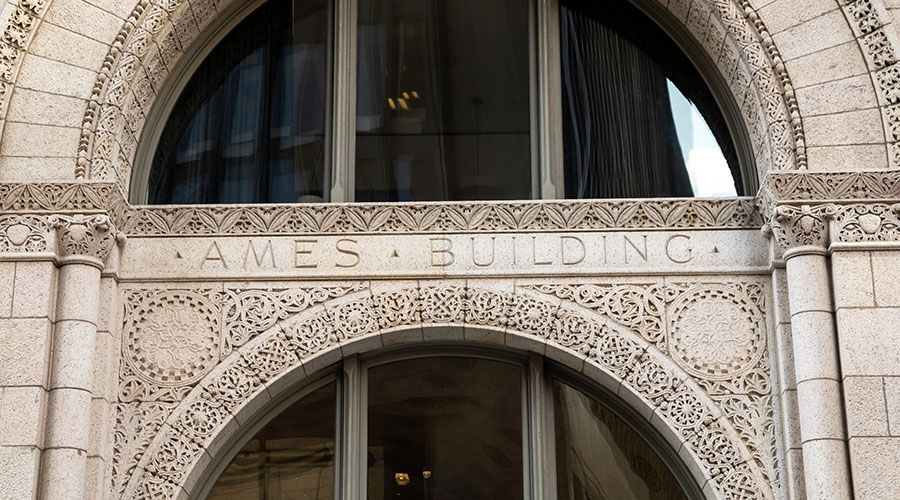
pixel 173 339
pixel 868 223
pixel 716 333
pixel 80 235
pixel 805 225
pixel 24 233
pixel 584 320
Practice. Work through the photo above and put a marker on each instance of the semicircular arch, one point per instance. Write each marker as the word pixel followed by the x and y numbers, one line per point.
pixel 272 363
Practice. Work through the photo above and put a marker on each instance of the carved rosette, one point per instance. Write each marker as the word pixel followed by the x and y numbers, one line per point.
pixel 80 236
pixel 721 449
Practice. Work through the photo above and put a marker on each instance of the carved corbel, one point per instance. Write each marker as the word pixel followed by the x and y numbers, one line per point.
pixel 86 238
pixel 801 227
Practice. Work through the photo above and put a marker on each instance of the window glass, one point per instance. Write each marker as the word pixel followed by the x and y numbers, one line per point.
pixel 443 103
pixel 291 458
pixel 638 119
pixel 445 428
pixel 250 124
pixel 599 456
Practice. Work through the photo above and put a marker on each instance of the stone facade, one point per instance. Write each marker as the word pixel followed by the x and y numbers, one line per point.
pixel 757 335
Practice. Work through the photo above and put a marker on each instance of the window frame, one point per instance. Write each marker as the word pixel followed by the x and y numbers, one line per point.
pixel 341 84
pixel 538 437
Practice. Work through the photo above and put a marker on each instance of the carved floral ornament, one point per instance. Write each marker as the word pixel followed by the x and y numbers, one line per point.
pixel 162 438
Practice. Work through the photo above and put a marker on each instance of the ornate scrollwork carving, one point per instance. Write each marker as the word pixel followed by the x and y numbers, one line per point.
pixel 868 222
pixel 24 233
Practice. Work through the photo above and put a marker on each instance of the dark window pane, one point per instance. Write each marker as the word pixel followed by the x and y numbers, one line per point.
pixel 291 458
pixel 457 421
pixel 638 119
pixel 250 125
pixel 600 457
pixel 443 100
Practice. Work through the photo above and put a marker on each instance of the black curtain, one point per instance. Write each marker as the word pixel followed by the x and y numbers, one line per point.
pixel 619 132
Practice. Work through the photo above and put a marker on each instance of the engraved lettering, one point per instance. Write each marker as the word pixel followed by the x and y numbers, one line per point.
pixel 267 250
pixel 574 242
pixel 534 253
pixel 348 251
pixel 641 253
pixel 300 251
pixel 475 259
pixel 687 247
pixel 214 254
pixel 441 256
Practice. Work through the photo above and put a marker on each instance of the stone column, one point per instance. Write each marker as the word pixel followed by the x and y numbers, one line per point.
pixel 802 233
pixel 83 243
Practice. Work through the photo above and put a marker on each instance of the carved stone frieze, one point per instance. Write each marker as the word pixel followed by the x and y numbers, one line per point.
pixel 82 197
pixel 831 186
pixel 867 223
pixel 443 217
pixel 24 233
pixel 600 325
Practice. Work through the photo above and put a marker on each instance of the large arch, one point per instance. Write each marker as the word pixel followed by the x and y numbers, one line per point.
pixel 160 34
pixel 267 360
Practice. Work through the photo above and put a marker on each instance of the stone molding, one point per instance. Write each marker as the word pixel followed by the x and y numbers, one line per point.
pixel 159 32
pixel 715 397
pixel 878 41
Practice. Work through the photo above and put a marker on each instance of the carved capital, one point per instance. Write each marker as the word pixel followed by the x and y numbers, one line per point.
pixel 90 236
pixel 799 226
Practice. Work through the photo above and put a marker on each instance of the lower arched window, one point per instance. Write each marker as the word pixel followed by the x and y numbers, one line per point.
pixel 447 425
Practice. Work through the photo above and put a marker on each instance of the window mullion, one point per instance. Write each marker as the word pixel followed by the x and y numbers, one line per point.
pixel 352 456
pixel 549 130
pixel 541 467
pixel 344 104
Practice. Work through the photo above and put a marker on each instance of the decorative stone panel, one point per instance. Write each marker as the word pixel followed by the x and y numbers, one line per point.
pixel 710 392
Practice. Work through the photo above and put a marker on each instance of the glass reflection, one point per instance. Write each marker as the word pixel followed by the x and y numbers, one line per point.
pixel 600 457
pixel 291 458
pixel 445 428
pixel 638 119
pixel 443 103
pixel 250 125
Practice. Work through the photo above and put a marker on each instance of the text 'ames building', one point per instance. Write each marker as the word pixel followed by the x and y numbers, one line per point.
pixel 450 249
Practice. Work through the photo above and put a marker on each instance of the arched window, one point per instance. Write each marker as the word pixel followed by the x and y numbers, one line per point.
pixel 445 425
pixel 444 101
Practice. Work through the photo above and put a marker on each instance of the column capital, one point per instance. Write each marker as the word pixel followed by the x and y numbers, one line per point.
pixel 87 239
pixel 799 228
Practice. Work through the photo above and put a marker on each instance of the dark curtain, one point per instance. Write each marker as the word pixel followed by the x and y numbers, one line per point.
pixel 249 126
pixel 619 132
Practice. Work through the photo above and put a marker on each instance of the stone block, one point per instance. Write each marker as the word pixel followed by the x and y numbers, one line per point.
pixel 886 274
pixel 840 61
pixel 796 481
pixel 847 157
pixel 25 139
pixel 851 127
pixel 892 401
pixel 865 406
pixel 815 351
pixel 853 279
pixel 780 15
pixel 68 418
pixel 84 18
pixel 34 290
pixel 20 472
pixel 820 33
pixel 807 280
pixel 837 96
pixel 47 75
pixel 24 351
pixel 42 108
pixel 869 341
pixel 73 355
pixel 66 466
pixel 79 293
pixel 22 416
pixel 823 467
pixel 53 42
pixel 821 415
pixel 7 278
pixel 876 475
pixel 36 169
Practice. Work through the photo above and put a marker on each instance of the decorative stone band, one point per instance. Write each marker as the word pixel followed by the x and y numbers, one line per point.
pixel 84 238
pixel 17 34
pixel 817 227
pixel 720 436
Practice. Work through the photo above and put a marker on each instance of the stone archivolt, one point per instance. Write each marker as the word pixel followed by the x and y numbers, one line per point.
pixel 622 331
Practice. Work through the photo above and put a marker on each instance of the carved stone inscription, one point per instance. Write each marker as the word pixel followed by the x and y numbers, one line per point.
pixel 443 255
